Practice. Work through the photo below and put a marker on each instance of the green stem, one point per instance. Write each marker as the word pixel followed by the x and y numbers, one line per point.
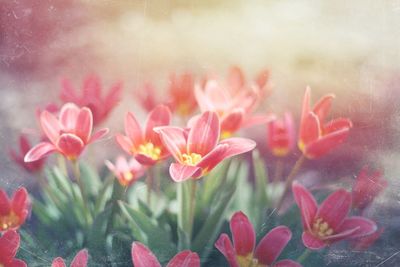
pixel 149 184
pixel 77 174
pixel 278 170
pixel 62 165
pixel 192 207
pixel 304 255
pixel 118 194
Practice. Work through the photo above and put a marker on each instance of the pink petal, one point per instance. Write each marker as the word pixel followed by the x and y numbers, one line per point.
pixel 70 145
pixel 9 244
pixel 312 242
pixel 335 208
pixel 143 257
pixel 68 92
pixel 254 120
pixel 124 142
pixel 232 122
pixel 262 78
pixel 58 262
pixel 50 126
pixel 287 263
pixel 180 173
pixel 159 116
pixel 5 204
pixel 39 151
pixel 363 225
pixel 336 125
pixel 133 130
pixel 91 88
pixel 84 124
pixel 17 263
pixel 243 235
pixel 99 135
pixel 145 160
pixel 204 135
pixel 237 145
pixel 326 143
pixel 68 116
pixel 24 144
pixel 310 130
pixel 307 204
pixel 272 245
pixel 339 236
pixel 80 259
pixel 20 201
pixel 305 108
pixel 113 96
pixel 204 103
pixel 213 158
pixel 235 78
pixel 174 140
pixel 365 242
pixel 323 106
pixel 224 245
pixel 185 258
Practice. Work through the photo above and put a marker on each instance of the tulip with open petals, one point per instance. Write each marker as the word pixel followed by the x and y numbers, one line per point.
pixel 244 253
pixel 13 212
pixel 143 257
pixel 126 172
pixel 329 223
pixel 317 137
pixel 197 152
pixel 80 260
pixel 68 134
pixel 280 136
pixel 146 147
pixel 9 244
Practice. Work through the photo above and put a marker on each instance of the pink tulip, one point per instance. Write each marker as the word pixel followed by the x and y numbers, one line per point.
pixel 329 223
pixel 281 136
pixel 244 253
pixel 68 135
pixel 13 212
pixel 126 172
pixel 80 260
pixel 18 156
pixel 143 257
pixel 9 244
pixel 197 151
pixel 146 146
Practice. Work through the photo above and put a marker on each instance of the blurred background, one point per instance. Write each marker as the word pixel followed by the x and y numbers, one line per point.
pixel 351 48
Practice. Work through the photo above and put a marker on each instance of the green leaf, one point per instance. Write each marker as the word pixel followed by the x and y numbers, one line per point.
pixel 90 179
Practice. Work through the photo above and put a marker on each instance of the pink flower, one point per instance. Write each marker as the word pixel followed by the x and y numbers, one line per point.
pixel 365 242
pixel 316 137
pixel 92 98
pixel 329 223
pixel 367 187
pixel 244 253
pixel 143 257
pixel 145 146
pixel 68 135
pixel 80 260
pixel 197 151
pixel 18 156
pixel 126 172
pixel 181 94
pixel 280 136
pixel 146 96
pixel 9 244
pixel 13 212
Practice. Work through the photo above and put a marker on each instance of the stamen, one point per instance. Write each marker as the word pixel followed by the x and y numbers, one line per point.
pixel 321 228
pixel 9 221
pixel 150 150
pixel 191 159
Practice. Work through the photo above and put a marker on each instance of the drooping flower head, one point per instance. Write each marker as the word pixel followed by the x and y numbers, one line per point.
pixel 182 100
pixel 13 212
pixel 68 134
pixel 9 244
pixel 281 136
pixel 143 257
pixel 243 252
pixel 126 172
pixel 367 187
pixel 197 151
pixel 317 137
pixel 145 146
pixel 329 222
pixel 91 97
pixel 18 156
pixel 80 260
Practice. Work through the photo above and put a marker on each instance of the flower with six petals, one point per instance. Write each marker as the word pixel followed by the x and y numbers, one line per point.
pixel 9 244
pixel 80 260
pixel 280 136
pixel 126 172
pixel 13 212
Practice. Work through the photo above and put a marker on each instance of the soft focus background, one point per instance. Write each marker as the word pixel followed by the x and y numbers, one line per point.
pixel 351 48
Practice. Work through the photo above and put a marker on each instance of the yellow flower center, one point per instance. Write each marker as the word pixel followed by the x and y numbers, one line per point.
pixel 280 151
pixel 150 150
pixel 191 159
pixel 225 135
pixel 321 228
pixel 9 221
pixel 249 261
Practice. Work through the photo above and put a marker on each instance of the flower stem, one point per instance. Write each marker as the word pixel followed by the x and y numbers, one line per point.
pixel 290 179
pixel 77 174
pixel 304 255
pixel 149 184
pixel 192 206
pixel 278 170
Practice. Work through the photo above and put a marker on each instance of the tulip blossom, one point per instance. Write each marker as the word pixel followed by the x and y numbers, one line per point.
pixel 367 187
pixel 197 152
pixel 13 212
pixel 80 260
pixel 181 94
pixel 18 156
pixel 143 257
pixel 92 98
pixel 68 134
pixel 280 136
pixel 126 172
pixel 146 146
pixel 317 137
pixel 9 244
pixel 233 101
pixel 365 242
pixel 243 252
pixel 329 223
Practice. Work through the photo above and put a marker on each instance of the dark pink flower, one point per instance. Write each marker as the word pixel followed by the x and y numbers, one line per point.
pixel 68 134
pixel 197 151
pixel 126 172
pixel 143 257
pixel 329 222
pixel 9 244
pixel 92 98
pixel 18 156
pixel 281 136
pixel 243 252
pixel 146 145
pixel 80 260
pixel 367 186
pixel 13 212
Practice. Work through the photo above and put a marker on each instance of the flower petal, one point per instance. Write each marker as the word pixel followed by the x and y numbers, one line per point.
pixel 180 173
pixel 213 158
pixel 80 259
pixel 58 262
pixel 307 204
pixel 305 108
pixel 159 116
pixel 9 244
pixel 19 203
pixel 335 208
pixel 256 119
pixel 145 160
pixel 336 125
pixel 70 145
pixel 39 151
pixel 243 235
pixel 142 256
pixel 363 225
pixel 68 92
pixel 124 142
pixel 326 143
pixel 185 258
pixel 5 204
pixel 68 116
pixel 272 245
pixel 224 245
pixel 99 135
pixel 235 78
pixel 113 96
pixel 233 121
pixel 133 130
pixel 237 145
pixel 323 106
pixel 287 263
pixel 50 126
pixel 312 242
pixel 204 134
pixel 174 140
pixel 84 124
pixel 310 130
pixel 17 263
